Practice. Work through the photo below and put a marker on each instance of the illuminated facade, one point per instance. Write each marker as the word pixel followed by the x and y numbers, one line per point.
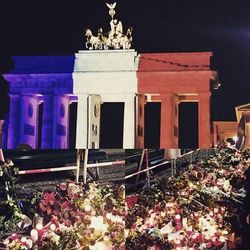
pixel 60 101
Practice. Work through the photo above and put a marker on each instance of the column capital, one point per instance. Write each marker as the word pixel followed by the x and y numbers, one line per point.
pixel 166 95
pixel 204 94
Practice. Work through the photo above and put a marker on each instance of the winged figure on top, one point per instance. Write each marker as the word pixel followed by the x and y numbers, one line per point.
pixel 114 39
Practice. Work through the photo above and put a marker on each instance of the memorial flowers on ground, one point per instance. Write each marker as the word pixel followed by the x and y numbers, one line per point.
pixel 74 217
pixel 198 209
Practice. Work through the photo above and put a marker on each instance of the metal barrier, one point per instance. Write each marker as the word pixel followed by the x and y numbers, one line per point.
pixel 82 154
pixel 173 163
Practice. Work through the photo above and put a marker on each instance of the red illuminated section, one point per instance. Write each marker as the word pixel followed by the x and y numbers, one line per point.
pixel 175 78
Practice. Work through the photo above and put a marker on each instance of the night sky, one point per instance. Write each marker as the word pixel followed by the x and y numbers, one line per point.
pixel 223 27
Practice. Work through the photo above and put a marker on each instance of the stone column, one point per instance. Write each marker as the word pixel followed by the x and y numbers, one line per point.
pixel 167 122
pixel 204 120
pixel 14 122
pixel 141 99
pixel 129 123
pixel 47 123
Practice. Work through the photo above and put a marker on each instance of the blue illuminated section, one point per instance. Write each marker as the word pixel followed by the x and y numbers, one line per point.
pixel 49 76
pixel 42 64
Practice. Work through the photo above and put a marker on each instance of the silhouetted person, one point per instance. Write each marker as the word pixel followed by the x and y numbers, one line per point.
pixel 4 108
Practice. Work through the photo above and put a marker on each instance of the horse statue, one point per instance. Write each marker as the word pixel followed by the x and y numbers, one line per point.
pixel 91 40
pixel 126 40
pixel 98 42
pixel 101 40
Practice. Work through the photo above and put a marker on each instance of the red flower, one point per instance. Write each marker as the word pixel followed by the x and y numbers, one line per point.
pixel 131 200
pixel 49 211
pixel 56 212
pixel 67 223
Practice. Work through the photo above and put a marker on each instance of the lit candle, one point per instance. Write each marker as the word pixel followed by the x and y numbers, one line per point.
pixel 215 241
pixel 189 230
pixel 223 210
pixel 14 236
pixel 222 240
pixel 29 243
pixel 177 218
pixel 163 214
pixel 153 215
pixel 150 222
pixel 216 210
pixel 194 238
pixel 34 235
pixel 87 208
pixel 220 218
pixel 211 214
pixel 52 227
pixel 178 222
pixel 184 222
pixel 109 216
pixel 200 237
pixel 207 238
pixel 225 232
pixel 177 243
pixel 97 224
pixel 40 230
pixel 23 240
pixel 182 237
pixel 196 215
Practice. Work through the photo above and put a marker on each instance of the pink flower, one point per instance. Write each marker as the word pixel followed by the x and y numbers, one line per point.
pixel 42 207
pixel 63 186
pixel 66 205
